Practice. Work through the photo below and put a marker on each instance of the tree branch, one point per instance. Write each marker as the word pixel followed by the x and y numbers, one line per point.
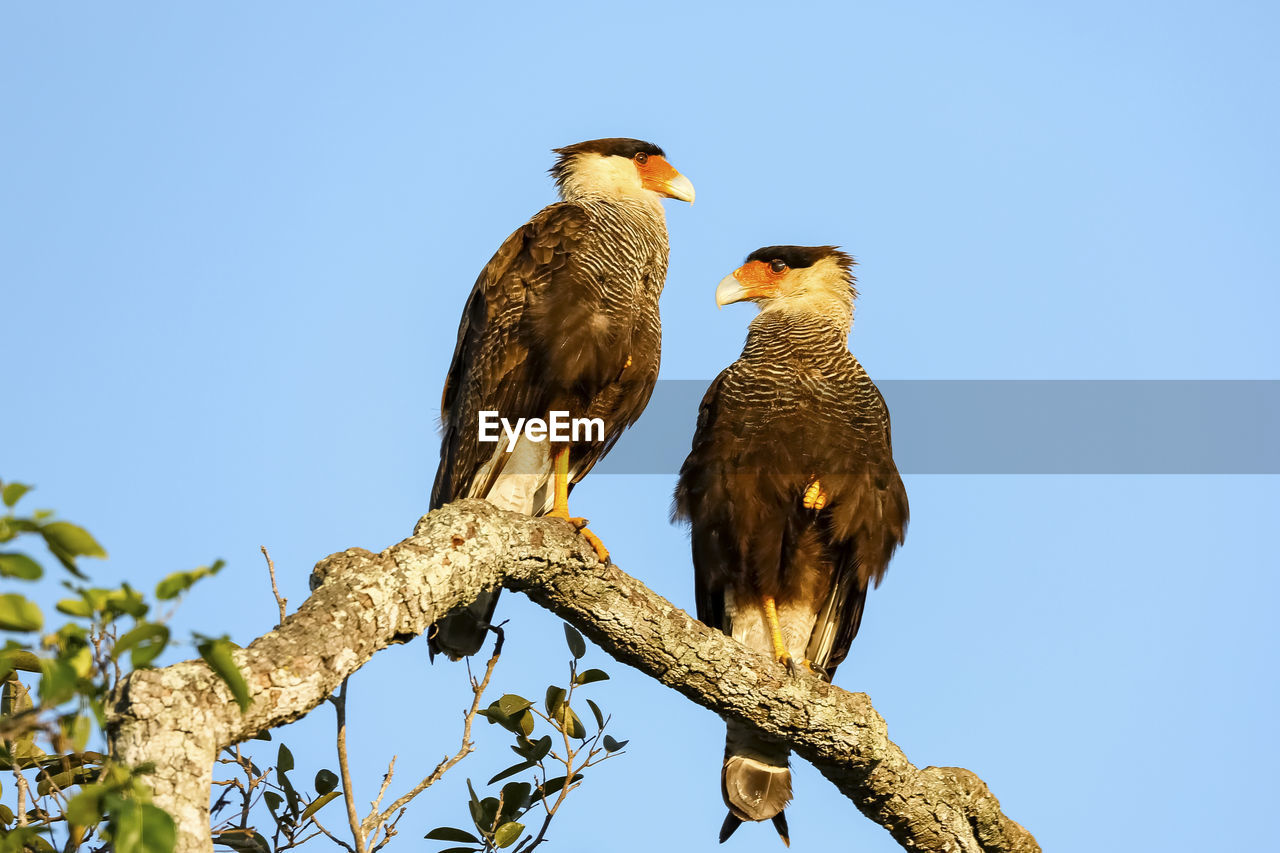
pixel 179 717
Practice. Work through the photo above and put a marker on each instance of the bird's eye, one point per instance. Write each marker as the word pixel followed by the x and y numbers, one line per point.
pixel 642 158
pixel 777 265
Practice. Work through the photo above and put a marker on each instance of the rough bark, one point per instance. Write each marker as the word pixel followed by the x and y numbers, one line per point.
pixel 179 717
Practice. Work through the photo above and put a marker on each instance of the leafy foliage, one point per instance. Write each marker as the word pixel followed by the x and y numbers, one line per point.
pixel 499 821
pixel 56 681
pixel 57 672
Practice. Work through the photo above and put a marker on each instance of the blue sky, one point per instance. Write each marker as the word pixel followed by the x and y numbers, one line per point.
pixel 235 241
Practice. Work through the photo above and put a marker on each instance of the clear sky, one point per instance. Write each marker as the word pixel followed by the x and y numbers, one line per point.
pixel 235 240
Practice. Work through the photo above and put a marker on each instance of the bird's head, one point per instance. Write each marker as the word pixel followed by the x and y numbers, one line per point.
pixel 800 279
pixel 621 169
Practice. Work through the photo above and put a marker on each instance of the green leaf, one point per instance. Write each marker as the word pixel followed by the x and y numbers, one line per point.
pixel 19 614
pixel 66 541
pixel 65 780
pixel 526 723
pixel 483 814
pixel 217 653
pixel 242 840
pixel 179 582
pixel 85 808
pixel 511 704
pixel 459 850
pixel 577 645
pixel 77 607
pixel 550 788
pixel 555 698
pixel 273 800
pixel 57 682
pixel 326 781
pixel 541 747
pixel 591 676
pixel 570 719
pixel 612 745
pixel 317 804
pixel 13 493
pixel 508 834
pixel 141 828
pixel 146 641
pixel 595 709
pixel 284 759
pixel 514 796
pixel 19 566
pixel 450 833
pixel 125 600
pixel 511 771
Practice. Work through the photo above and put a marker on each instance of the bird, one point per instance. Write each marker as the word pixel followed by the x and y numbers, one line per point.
pixel 790 490
pixel 563 318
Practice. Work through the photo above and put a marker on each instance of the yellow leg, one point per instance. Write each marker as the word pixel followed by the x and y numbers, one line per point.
pixel 775 634
pixel 560 506
pixel 814 497
pixel 560 482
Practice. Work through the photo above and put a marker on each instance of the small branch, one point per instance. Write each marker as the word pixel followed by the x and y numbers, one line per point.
pixel 281 601
pixel 348 791
pixel 335 839
pixel 21 781
pixel 376 820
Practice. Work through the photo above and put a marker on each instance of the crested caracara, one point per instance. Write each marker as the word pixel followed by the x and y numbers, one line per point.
pixel 563 318
pixel 794 502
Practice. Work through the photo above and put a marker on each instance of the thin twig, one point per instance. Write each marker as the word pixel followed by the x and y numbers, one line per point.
pixel 335 839
pixel 376 820
pixel 281 601
pixel 348 791
pixel 21 781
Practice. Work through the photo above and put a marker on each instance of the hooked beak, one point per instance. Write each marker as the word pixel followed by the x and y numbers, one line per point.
pixel 679 187
pixel 752 281
pixel 662 178
pixel 729 291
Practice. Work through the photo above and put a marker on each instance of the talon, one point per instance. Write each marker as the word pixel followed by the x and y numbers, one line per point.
pixel 814 497
pixel 602 553
pixel 793 669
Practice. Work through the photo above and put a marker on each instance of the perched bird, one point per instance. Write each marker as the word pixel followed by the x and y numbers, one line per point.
pixel 563 318
pixel 794 501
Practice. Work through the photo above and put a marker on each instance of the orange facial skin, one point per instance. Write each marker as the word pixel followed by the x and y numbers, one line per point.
pixel 657 175
pixel 759 279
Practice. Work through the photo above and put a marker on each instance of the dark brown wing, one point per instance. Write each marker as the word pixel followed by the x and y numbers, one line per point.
pixel 493 366
pixel 697 487
pixel 864 522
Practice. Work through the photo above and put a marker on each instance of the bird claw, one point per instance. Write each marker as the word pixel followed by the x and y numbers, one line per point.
pixel 792 669
pixel 580 524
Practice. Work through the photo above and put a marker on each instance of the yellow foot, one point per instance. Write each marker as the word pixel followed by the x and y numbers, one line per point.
pixel 602 553
pixel 814 497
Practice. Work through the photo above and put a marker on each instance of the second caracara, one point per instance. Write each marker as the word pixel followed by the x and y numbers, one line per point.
pixel 793 498
pixel 563 318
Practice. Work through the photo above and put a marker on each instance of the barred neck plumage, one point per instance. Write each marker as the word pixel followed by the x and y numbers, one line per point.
pixel 807 332
pixel 640 209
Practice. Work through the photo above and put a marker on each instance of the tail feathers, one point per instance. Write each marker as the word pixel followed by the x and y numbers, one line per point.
pixel 731 823
pixel 462 634
pixel 780 824
pixel 755 780
pixel 754 790
pixel 727 828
